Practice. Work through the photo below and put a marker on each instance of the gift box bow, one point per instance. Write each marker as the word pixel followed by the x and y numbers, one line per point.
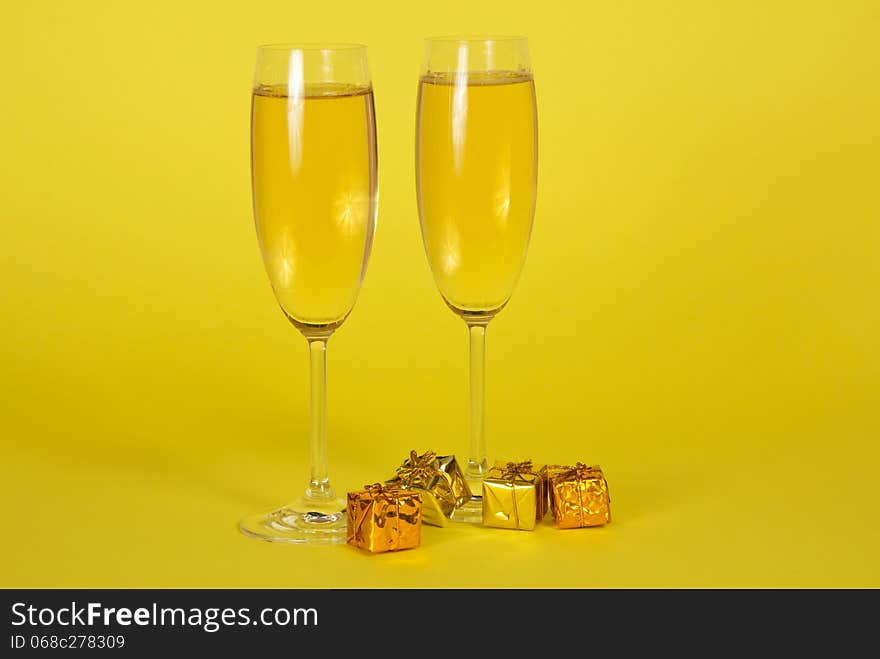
pixel 514 471
pixel 418 469
pixel 581 472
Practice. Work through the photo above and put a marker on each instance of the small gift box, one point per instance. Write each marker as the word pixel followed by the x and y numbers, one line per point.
pixel 514 496
pixel 383 518
pixel 579 497
pixel 440 481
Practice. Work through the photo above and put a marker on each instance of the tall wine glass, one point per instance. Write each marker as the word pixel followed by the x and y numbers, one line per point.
pixel 476 168
pixel 314 169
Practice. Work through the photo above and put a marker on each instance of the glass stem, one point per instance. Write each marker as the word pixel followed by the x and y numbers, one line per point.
pixel 319 481
pixel 477 461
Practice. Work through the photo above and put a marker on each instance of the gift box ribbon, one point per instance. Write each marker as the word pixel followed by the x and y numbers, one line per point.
pixel 379 491
pixel 512 472
pixel 580 472
pixel 418 468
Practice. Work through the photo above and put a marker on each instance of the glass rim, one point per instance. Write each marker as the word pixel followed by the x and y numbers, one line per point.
pixel 310 47
pixel 476 38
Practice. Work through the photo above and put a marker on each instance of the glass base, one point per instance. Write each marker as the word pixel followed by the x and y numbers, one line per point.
pixel 301 522
pixel 470 513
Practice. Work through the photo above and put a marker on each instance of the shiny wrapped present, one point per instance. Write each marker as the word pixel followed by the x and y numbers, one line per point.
pixel 383 518
pixel 514 496
pixel 579 497
pixel 440 481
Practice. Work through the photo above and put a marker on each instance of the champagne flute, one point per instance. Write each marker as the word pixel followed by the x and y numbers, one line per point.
pixel 314 171
pixel 476 168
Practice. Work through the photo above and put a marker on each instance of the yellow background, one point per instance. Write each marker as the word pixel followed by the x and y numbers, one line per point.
pixel 698 312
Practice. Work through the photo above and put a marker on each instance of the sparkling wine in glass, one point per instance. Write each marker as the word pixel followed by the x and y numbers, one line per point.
pixel 314 171
pixel 476 169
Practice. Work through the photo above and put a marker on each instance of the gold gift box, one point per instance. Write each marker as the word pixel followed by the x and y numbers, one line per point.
pixel 514 496
pixel 579 496
pixel 383 518
pixel 440 481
